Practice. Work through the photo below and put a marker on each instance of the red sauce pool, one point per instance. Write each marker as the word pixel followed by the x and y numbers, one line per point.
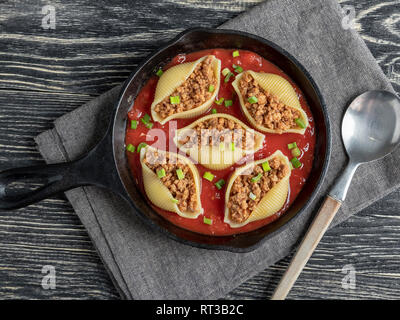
pixel 213 199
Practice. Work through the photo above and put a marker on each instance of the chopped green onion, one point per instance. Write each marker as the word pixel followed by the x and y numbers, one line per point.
pixel 180 174
pixel 296 163
pixel 221 146
pixel 291 166
pixel 232 145
pixel 175 200
pixel 235 53
pixel 146 119
pixel 292 145
pixel 300 123
pixel 225 71
pixel 230 74
pixel 208 176
pixel 174 100
pixel 228 103
pixel 252 99
pixel 257 177
pixel 252 196
pixel 238 69
pixel 159 72
pixel 296 152
pixel 211 88
pixel 149 125
pixel 219 101
pixel 133 124
pixel 265 166
pixel 161 173
pixel 220 184
pixel 213 111
pixel 207 221
pixel 140 146
pixel 130 148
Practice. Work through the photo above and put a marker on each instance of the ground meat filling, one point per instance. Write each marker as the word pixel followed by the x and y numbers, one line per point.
pixel 193 92
pixel 219 130
pixel 268 111
pixel 183 190
pixel 240 204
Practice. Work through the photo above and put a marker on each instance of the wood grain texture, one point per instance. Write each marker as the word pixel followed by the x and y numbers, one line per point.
pixel 46 73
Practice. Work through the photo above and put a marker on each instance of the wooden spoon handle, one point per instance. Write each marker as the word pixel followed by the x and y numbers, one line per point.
pixel 314 234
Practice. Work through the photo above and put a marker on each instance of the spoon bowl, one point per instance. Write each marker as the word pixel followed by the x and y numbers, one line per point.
pixel 371 126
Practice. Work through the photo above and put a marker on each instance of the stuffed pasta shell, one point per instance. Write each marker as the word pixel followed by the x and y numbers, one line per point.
pixel 217 141
pixel 171 182
pixel 270 103
pixel 186 90
pixel 257 190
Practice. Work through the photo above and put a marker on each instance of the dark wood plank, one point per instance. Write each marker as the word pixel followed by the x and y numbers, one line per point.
pixel 46 73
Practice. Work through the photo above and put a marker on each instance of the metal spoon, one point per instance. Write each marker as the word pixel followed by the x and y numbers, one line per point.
pixel 370 131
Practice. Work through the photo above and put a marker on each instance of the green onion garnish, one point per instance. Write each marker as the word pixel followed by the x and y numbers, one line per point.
pixel 213 111
pixel 296 152
pixel 140 146
pixel 228 103
pixel 149 125
pixel 161 173
pixel 292 145
pixel 296 163
pixel 130 148
pixel 252 196
pixel 159 72
pixel 265 166
pixel 235 53
pixel 146 119
pixel 180 174
pixel 238 69
pixel 300 123
pixel 219 184
pixel 252 99
pixel 208 176
pixel 219 101
pixel 257 177
pixel 232 145
pixel 133 124
pixel 207 221
pixel 211 88
pixel 174 100
pixel 225 71
pixel 175 200
pixel 230 74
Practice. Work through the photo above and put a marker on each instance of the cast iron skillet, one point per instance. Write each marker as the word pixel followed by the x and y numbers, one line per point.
pixel 106 164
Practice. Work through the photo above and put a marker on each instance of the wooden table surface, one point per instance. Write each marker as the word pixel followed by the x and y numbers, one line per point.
pixel 96 44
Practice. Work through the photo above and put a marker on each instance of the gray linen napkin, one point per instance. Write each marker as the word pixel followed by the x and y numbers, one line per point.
pixel 147 265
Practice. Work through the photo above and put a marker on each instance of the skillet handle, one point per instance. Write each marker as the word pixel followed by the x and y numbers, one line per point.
pixel 58 177
pixel 96 168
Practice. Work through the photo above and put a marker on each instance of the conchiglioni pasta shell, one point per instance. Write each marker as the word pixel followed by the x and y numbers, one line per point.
pixel 271 203
pixel 176 76
pixel 159 194
pixel 212 157
pixel 278 86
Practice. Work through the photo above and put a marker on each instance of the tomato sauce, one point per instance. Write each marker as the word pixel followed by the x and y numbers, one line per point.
pixel 212 199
